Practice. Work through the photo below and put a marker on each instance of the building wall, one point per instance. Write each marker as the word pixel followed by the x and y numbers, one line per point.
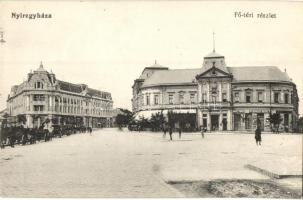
pixel 181 97
pixel 49 101
pixel 239 115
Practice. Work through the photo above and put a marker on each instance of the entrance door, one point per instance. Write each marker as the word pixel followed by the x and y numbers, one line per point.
pixel 214 122
pixel 248 121
pixel 260 121
pixel 224 122
pixel 237 122
pixel 286 122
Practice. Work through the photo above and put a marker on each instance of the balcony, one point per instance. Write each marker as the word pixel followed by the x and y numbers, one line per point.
pixel 168 106
pixel 218 104
pixel 38 102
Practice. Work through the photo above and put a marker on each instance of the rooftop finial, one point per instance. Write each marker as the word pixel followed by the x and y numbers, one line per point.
pixel 41 65
pixel 156 62
pixel 214 47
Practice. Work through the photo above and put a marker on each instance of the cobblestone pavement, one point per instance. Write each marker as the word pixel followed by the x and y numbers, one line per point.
pixel 113 163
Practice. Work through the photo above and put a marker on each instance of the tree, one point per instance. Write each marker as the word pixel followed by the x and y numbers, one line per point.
pixel 21 119
pixel 275 120
pixel 172 118
pixel 143 123
pixel 124 118
pixel 156 121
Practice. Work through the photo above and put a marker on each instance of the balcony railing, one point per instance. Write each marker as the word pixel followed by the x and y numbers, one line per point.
pixel 168 106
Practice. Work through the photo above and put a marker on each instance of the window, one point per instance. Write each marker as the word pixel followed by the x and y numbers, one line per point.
pixel 38 85
pixel 39 97
pixel 38 108
pixel 214 98
pixel 214 88
pixel 291 98
pixel 260 97
pixel 147 100
pixel 237 99
pixel 192 98
pixel 276 97
pixel 171 99
pixel 224 97
pixel 204 97
pixel 286 98
pixel 156 99
pixel 248 96
pixel 181 98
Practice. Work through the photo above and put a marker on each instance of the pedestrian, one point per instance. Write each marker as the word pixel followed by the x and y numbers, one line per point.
pixel 180 131
pixel 202 131
pixel 164 131
pixel 171 133
pixel 258 136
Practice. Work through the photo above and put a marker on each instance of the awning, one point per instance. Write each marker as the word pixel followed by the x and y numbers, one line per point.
pixel 148 113
pixel 193 111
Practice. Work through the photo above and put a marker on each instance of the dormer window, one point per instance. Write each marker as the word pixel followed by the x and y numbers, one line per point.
pixel 38 85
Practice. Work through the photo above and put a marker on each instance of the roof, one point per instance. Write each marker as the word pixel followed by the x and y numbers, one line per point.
pixel 156 66
pixel 168 77
pixel 240 74
pixel 79 88
pixel 98 93
pixel 213 54
pixel 264 73
pixel 66 86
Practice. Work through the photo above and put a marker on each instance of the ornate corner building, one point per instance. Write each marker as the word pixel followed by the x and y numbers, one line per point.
pixel 220 97
pixel 43 97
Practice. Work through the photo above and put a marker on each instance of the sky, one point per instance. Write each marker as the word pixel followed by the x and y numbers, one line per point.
pixel 106 45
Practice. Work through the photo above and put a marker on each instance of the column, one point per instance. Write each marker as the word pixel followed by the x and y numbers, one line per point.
pixel 290 122
pixel 59 120
pixel 84 121
pixel 208 92
pixel 254 121
pixel 208 121
pixel 50 103
pixel 266 122
pixel 220 93
pixel 29 121
pixel 199 118
pixel 282 97
pixel 282 122
pixel 50 124
pixel 39 121
pixel 90 121
pixel 229 120
pixel 220 122
pixel 199 93
pixel 27 103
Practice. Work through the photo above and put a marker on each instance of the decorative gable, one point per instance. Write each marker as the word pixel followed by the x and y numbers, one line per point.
pixel 214 73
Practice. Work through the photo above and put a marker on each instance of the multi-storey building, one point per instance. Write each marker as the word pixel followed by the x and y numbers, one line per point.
pixel 43 98
pixel 221 97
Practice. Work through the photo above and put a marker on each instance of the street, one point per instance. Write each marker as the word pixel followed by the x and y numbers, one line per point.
pixel 113 163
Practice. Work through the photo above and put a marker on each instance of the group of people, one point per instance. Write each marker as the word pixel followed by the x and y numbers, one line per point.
pixel 203 129
pixel 10 136
pixel 179 129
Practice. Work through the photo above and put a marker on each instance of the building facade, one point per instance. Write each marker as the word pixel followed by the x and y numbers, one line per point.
pixel 43 98
pixel 221 97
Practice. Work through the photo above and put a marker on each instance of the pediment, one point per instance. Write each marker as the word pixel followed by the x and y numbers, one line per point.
pixel 213 73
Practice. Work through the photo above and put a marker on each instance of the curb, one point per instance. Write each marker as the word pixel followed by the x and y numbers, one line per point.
pixel 270 174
